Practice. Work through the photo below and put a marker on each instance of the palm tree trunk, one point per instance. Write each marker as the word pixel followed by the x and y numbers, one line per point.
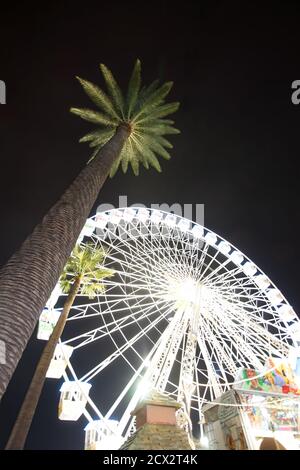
pixel 22 425
pixel 28 278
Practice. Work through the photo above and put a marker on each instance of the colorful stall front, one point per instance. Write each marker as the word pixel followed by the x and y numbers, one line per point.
pixel 261 412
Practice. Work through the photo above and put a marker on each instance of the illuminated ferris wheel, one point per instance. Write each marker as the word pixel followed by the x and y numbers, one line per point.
pixel 183 313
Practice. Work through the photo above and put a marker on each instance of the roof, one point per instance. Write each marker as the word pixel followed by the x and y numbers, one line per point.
pixel 154 397
pixel 158 437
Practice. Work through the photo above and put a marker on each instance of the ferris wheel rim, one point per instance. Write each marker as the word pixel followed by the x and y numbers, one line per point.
pixel 219 239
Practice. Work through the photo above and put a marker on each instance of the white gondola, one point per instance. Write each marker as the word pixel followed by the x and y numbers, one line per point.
pixel 184 225
pixel 47 322
pixel 73 400
pixel 129 214
pixel 294 331
pixel 59 361
pixel 102 435
pixel 170 220
pixel 101 220
pixel 287 313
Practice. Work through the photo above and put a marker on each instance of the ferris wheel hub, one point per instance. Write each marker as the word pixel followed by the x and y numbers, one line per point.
pixel 193 294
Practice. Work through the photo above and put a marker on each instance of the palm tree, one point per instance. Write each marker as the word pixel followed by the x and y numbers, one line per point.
pixel 129 130
pixel 83 275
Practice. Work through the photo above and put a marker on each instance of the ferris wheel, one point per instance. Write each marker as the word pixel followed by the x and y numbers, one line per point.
pixel 183 313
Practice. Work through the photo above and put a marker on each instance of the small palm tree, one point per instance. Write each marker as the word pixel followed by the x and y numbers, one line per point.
pixel 83 275
pixel 130 129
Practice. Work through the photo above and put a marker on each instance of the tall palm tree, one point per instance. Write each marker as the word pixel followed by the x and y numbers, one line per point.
pixel 129 129
pixel 83 275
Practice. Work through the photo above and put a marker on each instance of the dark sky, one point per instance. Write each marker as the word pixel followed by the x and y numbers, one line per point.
pixel 238 151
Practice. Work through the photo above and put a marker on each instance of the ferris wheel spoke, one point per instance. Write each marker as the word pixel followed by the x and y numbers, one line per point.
pixel 234 277
pixel 152 270
pixel 118 307
pixel 120 351
pixel 201 260
pixel 208 266
pixel 243 346
pixel 140 247
pixel 249 322
pixel 213 338
pixel 213 275
pixel 115 325
pixel 215 389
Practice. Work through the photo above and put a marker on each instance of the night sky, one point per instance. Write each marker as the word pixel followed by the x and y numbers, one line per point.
pixel 237 153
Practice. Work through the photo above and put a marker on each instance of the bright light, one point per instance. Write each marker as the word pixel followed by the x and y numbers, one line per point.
pixel 188 290
pixel 143 388
pixel 147 362
pixel 206 294
pixel 204 443
pixel 189 293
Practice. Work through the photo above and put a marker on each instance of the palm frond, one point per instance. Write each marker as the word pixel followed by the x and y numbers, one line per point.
pixel 133 87
pixel 98 97
pixel 103 137
pixel 124 156
pixel 92 135
pixel 143 111
pixel 154 99
pixel 115 166
pixel 152 159
pixel 156 147
pixel 164 142
pixel 144 94
pixel 94 153
pixel 133 159
pixel 140 152
pixel 113 89
pixel 94 116
pixel 65 285
pixel 87 263
pixel 91 290
pixel 159 129
pixel 160 111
